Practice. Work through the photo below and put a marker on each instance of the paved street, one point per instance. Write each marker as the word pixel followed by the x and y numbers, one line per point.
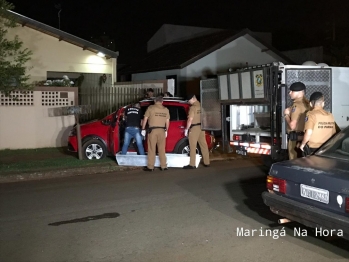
pixel 177 215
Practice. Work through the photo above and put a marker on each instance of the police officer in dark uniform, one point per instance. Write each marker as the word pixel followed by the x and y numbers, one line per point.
pixel 195 134
pixel 319 124
pixel 158 117
pixel 294 117
pixel 132 130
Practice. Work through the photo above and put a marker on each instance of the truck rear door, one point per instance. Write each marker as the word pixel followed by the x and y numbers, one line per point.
pixel 237 97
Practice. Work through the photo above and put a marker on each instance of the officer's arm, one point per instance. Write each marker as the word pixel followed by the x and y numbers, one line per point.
pixel 167 124
pixel 309 125
pixel 189 121
pixel 293 117
pixel 145 118
pixel 144 122
pixel 307 136
pixel 287 111
pixel 191 114
pixel 291 123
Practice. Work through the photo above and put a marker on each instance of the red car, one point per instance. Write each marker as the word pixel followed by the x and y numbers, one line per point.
pixel 105 137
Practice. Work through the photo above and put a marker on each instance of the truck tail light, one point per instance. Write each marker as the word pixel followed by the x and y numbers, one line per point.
pixel 277 184
pixel 347 204
pixel 237 137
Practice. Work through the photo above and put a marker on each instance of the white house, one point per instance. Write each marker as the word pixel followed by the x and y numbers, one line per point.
pixel 57 53
pixel 188 54
pixel 26 118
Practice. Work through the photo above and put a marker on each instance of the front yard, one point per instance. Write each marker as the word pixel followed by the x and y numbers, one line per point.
pixel 44 159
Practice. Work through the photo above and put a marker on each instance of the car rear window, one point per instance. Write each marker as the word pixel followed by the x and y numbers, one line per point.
pixel 177 113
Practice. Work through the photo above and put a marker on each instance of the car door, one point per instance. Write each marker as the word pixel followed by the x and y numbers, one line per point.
pixel 144 108
pixel 113 134
pixel 178 122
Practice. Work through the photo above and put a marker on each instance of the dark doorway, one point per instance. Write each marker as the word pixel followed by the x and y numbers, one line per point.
pixel 175 83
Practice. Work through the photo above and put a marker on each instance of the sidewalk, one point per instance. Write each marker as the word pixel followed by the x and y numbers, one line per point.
pixel 29 172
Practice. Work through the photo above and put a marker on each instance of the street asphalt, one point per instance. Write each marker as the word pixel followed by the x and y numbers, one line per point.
pixel 174 215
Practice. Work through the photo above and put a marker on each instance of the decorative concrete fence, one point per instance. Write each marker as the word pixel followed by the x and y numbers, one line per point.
pixel 25 121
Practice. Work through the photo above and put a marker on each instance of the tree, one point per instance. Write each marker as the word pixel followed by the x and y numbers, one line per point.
pixel 13 56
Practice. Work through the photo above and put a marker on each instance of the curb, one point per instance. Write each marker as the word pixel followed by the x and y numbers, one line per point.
pixel 37 175
pixel 62 173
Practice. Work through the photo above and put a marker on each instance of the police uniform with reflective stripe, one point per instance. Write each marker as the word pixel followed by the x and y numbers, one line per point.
pixel 196 135
pixel 322 124
pixel 157 115
pixel 298 112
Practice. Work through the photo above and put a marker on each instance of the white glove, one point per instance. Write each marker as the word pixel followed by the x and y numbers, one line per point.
pixel 185 132
pixel 165 133
pixel 143 132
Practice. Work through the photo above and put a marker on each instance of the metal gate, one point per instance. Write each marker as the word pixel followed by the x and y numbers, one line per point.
pixel 211 117
pixel 105 100
pixel 315 80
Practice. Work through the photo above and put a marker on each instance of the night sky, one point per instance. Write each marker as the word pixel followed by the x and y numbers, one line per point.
pixel 131 23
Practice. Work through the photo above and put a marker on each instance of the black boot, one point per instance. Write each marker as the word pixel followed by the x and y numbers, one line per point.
pixel 189 167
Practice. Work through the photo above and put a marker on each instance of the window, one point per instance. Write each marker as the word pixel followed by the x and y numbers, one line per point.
pixel 143 109
pixel 177 113
pixel 182 115
pixel 173 113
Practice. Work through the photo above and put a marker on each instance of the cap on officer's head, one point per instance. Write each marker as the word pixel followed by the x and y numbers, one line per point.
pixel 297 86
pixel 315 96
pixel 190 96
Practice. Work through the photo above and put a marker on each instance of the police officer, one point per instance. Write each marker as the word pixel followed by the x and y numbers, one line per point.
pixel 132 130
pixel 195 134
pixel 319 124
pixel 158 117
pixel 294 117
pixel 150 93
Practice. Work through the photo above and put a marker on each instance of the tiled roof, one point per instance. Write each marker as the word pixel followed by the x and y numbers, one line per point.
pixel 62 36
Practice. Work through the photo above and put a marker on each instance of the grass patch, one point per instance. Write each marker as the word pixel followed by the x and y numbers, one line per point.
pixel 43 159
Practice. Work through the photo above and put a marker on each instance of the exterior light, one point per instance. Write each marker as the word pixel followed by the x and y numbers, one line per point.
pixel 101 54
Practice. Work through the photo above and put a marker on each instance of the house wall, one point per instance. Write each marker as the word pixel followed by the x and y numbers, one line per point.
pixel 50 54
pixel 236 54
pixel 157 75
pixel 160 75
pixel 29 121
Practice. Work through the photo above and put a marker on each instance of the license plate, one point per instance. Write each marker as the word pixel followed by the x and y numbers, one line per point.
pixel 241 151
pixel 316 194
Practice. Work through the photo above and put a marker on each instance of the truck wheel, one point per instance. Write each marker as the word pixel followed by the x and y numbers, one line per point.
pixel 94 149
pixel 183 148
